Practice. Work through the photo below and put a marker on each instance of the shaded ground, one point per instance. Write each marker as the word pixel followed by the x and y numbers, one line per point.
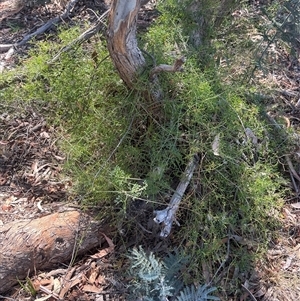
pixel 279 272
pixel 30 166
pixel 31 183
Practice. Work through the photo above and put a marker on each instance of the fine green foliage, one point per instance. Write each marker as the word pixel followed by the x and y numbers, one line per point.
pixel 156 280
pixel 284 17
pixel 270 27
pixel 238 188
pixel 121 148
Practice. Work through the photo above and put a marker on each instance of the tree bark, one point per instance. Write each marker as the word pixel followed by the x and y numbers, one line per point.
pixel 31 245
pixel 122 44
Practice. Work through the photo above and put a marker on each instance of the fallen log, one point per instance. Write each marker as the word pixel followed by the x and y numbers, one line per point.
pixel 30 245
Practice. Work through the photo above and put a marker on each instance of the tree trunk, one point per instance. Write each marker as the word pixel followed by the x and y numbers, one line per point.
pixel 31 245
pixel 122 44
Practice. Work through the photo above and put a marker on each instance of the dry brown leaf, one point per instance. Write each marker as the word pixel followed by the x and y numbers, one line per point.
pixel 59 158
pixel 91 289
pixel 66 283
pixel 93 275
pixel 288 263
pixel 288 215
pixel 48 283
pixel 44 135
pixel 6 207
pixel 206 271
pixel 100 280
pixel 105 251
pixel 34 167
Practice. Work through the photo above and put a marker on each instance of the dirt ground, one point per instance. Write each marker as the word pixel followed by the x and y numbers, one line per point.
pixel 31 184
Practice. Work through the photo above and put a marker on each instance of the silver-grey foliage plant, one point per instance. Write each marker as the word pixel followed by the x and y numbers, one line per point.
pixel 158 280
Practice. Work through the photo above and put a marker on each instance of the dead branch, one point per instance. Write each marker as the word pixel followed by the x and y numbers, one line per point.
pixel 176 67
pixel 42 29
pixel 155 88
pixel 168 215
pixel 249 292
pixel 83 37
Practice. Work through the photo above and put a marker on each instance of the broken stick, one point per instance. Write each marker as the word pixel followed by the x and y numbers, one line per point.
pixel 167 216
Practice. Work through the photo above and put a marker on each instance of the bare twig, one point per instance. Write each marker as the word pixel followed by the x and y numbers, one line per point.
pixel 294 183
pixel 289 93
pixel 248 291
pixel 291 167
pixel 224 261
pixel 48 292
pixel 83 37
pixel 168 215
pixel 7 298
pixel 115 149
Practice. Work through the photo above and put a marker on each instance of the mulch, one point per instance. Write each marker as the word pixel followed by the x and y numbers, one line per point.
pixel 30 165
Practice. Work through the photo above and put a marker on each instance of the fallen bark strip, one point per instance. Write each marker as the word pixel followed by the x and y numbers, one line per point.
pixel 42 29
pixel 43 243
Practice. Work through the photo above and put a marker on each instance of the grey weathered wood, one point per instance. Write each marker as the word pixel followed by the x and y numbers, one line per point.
pixel 167 216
